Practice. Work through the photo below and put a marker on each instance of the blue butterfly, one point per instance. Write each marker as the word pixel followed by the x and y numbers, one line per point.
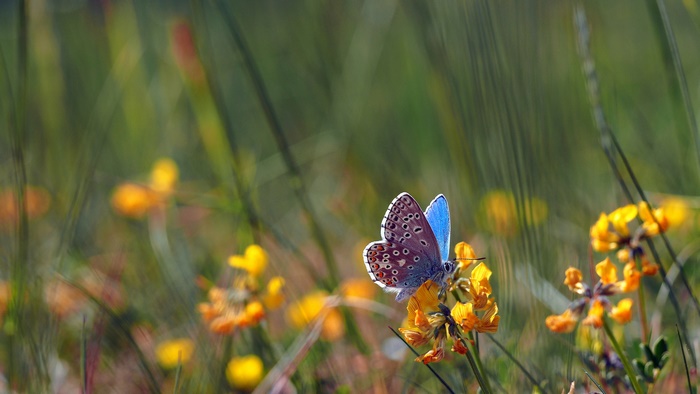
pixel 414 247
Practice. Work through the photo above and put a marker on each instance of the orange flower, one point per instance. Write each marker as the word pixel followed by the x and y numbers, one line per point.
pixel 479 287
pixel 36 203
pixel 595 315
pixel 632 278
pixel 649 268
pixel 622 313
pixel 465 255
pixel 607 271
pixel 564 323
pixel 573 280
pixel 654 222
pixel 313 306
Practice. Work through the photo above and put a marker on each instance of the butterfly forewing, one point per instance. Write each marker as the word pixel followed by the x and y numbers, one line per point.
pixel 409 254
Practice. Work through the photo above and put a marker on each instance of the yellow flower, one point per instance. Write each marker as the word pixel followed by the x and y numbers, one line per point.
pixel 676 210
pixel 602 239
pixel 501 213
pixel 174 352
pixel 235 307
pixel 607 271
pixel 358 288
pixel 424 302
pixel 573 280
pixel 274 297
pixel 254 312
pixel 622 313
pixel 333 327
pixel 465 255
pixel 654 222
pixel 132 200
pixel 480 288
pixel 489 322
pixel 245 373
pixel 621 216
pixel 164 176
pixel 306 310
pixel 595 315
pixel 564 323
pixel 254 260
pixel 623 255
pixel 632 278
pixel 464 316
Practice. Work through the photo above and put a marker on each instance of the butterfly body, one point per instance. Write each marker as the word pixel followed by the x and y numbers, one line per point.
pixel 414 246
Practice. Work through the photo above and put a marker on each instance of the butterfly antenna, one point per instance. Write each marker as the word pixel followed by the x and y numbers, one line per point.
pixel 470 259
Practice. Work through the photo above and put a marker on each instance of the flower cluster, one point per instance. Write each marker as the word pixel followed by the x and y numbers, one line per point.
pixel 611 233
pixel 134 200
pixel 243 304
pixel 429 319
pixel 597 297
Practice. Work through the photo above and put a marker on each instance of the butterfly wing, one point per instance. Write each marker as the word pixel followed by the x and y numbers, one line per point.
pixel 438 215
pixel 408 253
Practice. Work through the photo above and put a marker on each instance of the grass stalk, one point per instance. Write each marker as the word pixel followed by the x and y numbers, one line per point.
pixel 623 357
pixel 296 179
pixel 512 358
pixel 434 372
pixel 477 366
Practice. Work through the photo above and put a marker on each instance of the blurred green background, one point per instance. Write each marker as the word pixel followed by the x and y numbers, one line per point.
pixel 465 98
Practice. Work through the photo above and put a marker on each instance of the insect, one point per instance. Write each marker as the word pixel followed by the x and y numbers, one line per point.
pixel 414 247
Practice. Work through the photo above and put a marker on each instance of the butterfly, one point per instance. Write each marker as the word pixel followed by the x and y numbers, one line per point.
pixel 414 247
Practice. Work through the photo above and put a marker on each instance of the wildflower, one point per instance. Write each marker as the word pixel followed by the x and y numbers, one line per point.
pixel 132 200
pixel 605 239
pixel 573 280
pixel 622 313
pixel 135 200
pixel 274 297
pixel 655 221
pixel 228 309
pixel 501 212
pixel 358 288
pixel 564 323
pixel 36 204
pixel 675 210
pixel 479 288
pixel 465 256
pixel 428 319
pixel 254 260
pixel 174 352
pixel 313 306
pixel 164 176
pixel 245 373
pixel 597 297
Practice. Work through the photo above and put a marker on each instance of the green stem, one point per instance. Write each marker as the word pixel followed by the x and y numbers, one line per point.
pixel 642 309
pixel 623 357
pixel 477 367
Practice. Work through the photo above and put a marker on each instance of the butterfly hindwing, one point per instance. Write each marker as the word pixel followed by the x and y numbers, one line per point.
pixel 408 254
pixel 438 215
